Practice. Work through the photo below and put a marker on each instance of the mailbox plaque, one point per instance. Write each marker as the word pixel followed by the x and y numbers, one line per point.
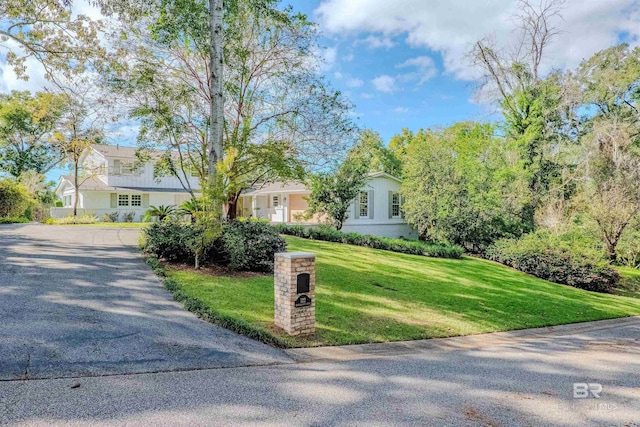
pixel 303 301
pixel 303 283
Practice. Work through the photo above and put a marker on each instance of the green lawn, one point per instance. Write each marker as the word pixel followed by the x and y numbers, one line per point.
pixel 366 295
pixel 630 282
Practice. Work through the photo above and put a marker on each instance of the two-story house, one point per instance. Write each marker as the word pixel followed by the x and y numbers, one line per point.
pixel 115 182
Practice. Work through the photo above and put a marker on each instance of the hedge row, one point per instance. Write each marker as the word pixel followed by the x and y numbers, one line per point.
pixel 414 247
pixel 556 263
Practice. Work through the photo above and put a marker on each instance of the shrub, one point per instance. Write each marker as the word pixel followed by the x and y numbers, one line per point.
pixel 13 220
pixel 171 240
pixel 251 245
pixel 128 217
pixel 414 247
pixel 111 217
pixel 14 199
pixel 547 257
pixel 70 220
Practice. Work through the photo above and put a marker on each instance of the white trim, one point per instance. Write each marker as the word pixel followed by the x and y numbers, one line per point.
pixel 383 175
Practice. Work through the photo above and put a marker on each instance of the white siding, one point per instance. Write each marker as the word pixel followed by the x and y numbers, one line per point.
pixel 145 179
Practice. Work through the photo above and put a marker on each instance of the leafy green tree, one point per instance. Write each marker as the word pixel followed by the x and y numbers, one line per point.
pixel 458 187
pixel 27 124
pixel 332 193
pixel 607 87
pixel 373 153
pixel 14 198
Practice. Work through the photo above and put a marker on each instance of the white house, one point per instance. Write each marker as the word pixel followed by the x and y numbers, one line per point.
pixel 377 210
pixel 118 184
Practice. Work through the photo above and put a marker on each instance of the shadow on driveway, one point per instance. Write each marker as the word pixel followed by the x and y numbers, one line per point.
pixel 78 301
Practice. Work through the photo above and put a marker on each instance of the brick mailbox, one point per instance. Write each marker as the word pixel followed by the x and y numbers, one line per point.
pixel 294 287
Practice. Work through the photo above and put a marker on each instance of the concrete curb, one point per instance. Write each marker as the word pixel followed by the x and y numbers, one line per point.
pixel 375 350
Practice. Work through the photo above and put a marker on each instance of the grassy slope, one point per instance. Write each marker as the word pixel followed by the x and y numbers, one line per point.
pixel 366 295
pixel 630 282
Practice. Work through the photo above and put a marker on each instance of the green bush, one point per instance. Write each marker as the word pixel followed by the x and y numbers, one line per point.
pixel 243 245
pixel 414 247
pixel 251 245
pixel 14 199
pixel 13 220
pixel 71 220
pixel 170 239
pixel 548 257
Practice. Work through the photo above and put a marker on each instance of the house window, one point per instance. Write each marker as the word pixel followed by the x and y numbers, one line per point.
pixel 276 201
pixel 131 169
pixel 123 200
pixel 136 200
pixel 395 205
pixel 364 204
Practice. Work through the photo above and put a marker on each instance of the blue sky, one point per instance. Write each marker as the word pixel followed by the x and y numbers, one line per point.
pixel 403 63
pixel 355 60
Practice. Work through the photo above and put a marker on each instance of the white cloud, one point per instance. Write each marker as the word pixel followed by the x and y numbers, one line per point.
pixel 423 67
pixel 348 57
pixel 384 83
pixel 366 95
pixel 451 27
pixel 376 42
pixel 337 75
pixel 400 110
pixel 354 82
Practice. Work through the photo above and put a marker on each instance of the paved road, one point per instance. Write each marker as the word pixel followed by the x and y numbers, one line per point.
pixel 77 301
pixel 525 383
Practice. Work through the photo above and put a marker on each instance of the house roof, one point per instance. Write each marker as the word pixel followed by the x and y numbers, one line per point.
pixel 279 187
pixel 384 175
pixel 123 151
pixel 96 184
pixel 300 187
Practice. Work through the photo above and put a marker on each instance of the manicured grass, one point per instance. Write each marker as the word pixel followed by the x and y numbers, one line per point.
pixel 630 282
pixel 367 295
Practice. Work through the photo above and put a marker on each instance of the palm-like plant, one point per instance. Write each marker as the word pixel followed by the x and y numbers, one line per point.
pixel 191 207
pixel 161 212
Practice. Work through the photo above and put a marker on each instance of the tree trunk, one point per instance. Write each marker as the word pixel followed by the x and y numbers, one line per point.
pixel 76 188
pixel 232 210
pixel 216 96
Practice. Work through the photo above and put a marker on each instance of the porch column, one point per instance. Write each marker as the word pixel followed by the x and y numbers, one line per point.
pixel 253 206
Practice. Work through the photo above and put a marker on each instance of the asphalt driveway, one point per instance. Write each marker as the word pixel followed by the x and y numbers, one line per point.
pixel 80 301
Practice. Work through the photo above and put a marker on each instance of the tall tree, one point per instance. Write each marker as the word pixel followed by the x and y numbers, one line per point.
pixel 26 128
pixel 375 155
pixel 531 104
pixel 607 87
pixel 279 115
pixel 81 126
